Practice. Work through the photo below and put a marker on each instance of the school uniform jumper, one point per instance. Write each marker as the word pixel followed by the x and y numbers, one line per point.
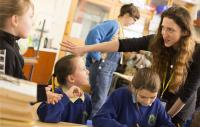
pixel 65 110
pixel 122 110
pixel 101 70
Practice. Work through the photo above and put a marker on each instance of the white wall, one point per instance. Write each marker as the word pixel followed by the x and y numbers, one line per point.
pixel 55 13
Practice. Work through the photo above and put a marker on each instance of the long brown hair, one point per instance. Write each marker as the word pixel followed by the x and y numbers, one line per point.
pixel 9 8
pixel 180 58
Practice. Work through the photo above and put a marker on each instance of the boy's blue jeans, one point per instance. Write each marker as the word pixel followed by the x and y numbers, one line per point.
pixel 100 80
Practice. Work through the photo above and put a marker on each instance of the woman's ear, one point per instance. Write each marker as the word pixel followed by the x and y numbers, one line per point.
pixel 14 20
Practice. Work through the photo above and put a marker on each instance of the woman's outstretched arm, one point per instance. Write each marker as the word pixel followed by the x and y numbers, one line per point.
pixel 111 46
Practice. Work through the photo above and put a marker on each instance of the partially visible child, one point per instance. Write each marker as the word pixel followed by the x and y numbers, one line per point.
pixel 75 105
pixel 136 106
pixel 15 23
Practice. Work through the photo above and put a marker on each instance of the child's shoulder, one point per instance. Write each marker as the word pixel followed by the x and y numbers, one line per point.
pixel 110 22
pixel 87 96
pixel 59 90
pixel 123 91
pixel 157 103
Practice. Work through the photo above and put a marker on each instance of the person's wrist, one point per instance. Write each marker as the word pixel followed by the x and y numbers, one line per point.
pixel 85 49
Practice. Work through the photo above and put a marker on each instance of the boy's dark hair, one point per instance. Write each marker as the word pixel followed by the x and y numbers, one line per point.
pixel 63 68
pixel 146 79
pixel 131 9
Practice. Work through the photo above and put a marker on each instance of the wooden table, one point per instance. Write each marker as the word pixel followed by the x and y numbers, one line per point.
pixel 8 123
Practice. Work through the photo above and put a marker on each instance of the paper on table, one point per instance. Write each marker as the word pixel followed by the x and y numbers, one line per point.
pixel 10 123
pixel 126 77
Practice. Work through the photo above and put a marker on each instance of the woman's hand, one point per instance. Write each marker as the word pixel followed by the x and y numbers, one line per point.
pixel 52 98
pixel 74 92
pixel 176 107
pixel 70 47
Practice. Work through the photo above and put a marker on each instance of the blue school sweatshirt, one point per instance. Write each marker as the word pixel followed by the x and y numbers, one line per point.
pixel 65 110
pixel 121 110
pixel 100 33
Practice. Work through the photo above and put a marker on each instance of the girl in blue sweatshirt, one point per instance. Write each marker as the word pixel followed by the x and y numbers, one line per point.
pixel 135 106
pixel 75 105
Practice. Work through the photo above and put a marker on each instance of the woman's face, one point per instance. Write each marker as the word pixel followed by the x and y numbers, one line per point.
pixel 145 97
pixel 81 74
pixel 171 32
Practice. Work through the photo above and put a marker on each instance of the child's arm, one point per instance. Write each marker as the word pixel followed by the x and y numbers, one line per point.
pixel 106 116
pixel 52 113
pixel 88 105
pixel 163 119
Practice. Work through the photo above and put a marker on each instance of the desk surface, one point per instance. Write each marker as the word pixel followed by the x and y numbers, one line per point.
pixel 8 123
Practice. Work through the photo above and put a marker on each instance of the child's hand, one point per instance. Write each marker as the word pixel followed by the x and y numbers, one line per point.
pixel 52 98
pixel 74 91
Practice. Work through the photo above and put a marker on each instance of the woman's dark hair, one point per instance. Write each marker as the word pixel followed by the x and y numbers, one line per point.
pixel 163 55
pixel 131 9
pixel 146 79
pixel 63 68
